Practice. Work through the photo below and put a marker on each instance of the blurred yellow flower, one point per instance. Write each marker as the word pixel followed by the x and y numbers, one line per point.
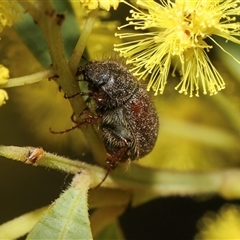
pixel 3 97
pixel 175 32
pixel 104 4
pixel 9 12
pixel 224 225
pixel 4 75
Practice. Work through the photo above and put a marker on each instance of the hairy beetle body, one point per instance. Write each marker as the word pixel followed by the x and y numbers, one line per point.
pixel 128 118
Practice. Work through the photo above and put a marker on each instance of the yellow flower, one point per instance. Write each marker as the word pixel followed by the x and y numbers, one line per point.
pixel 175 32
pixel 3 97
pixel 224 225
pixel 4 75
pixel 104 4
pixel 9 13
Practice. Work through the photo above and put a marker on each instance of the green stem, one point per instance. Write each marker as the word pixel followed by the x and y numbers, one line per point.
pixel 210 136
pixel 82 41
pixel 29 79
pixel 142 179
pixel 52 161
pixel 230 112
pixel 50 24
pixel 21 225
pixel 179 183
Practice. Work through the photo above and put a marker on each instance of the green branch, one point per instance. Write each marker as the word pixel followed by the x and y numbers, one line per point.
pixel 82 41
pixel 28 79
pixel 141 179
pixel 50 24
pixel 228 109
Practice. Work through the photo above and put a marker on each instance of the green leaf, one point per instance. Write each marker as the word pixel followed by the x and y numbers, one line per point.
pixel 35 42
pixel 21 225
pixel 112 231
pixel 102 217
pixel 67 218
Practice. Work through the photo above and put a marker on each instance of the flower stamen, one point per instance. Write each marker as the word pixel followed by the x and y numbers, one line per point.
pixel 177 30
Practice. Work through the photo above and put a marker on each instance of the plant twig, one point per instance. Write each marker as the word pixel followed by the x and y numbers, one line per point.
pixel 82 41
pixel 29 79
pixel 142 179
pixel 50 24
pixel 230 112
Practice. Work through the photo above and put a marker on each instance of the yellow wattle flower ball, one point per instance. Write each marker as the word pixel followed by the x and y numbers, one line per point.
pixel 174 33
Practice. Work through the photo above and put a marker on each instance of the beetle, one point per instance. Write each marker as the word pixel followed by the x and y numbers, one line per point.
pixel 127 116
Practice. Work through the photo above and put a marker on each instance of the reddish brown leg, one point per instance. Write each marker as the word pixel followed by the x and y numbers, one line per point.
pixel 115 158
pixel 90 119
pixel 64 131
pixel 72 96
pixel 75 94
pixel 112 161
pixel 104 178
pixel 54 77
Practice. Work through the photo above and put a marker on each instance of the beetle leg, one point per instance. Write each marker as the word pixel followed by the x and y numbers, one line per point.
pixel 89 119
